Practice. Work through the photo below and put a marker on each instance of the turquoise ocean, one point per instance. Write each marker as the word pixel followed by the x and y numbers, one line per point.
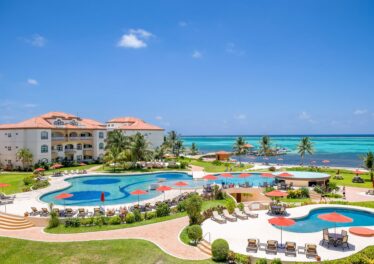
pixel 340 150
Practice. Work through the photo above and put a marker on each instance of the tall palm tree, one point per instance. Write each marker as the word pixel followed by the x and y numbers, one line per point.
pixel 194 150
pixel 112 156
pixel 305 147
pixel 118 140
pixel 240 148
pixel 265 144
pixel 369 163
pixel 140 148
pixel 172 141
pixel 178 148
pixel 25 156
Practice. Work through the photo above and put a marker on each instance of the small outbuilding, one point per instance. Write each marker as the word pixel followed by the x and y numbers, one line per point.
pixel 223 155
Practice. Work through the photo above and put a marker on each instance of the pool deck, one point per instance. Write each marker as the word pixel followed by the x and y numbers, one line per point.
pixel 237 234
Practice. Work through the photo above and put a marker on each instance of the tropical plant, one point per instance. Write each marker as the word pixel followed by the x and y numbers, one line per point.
pixel 305 147
pixel 174 143
pixel 220 250
pixel 140 148
pixel 195 233
pixel 193 207
pixel 112 157
pixel 265 146
pixel 194 150
pixel 240 148
pixel 53 220
pixel 25 156
pixel 116 139
pixel 369 163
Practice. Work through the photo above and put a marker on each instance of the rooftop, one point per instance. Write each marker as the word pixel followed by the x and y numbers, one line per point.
pixel 132 123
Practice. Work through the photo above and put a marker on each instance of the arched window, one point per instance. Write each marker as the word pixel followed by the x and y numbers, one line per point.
pixel 73 123
pixel 59 147
pixel 73 134
pixel 44 149
pixel 101 134
pixel 79 146
pixel 101 146
pixel 44 135
pixel 58 122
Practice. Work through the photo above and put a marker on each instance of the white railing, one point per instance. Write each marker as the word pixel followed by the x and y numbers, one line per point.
pixel 208 236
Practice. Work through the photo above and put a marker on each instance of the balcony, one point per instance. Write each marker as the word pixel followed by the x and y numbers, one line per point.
pixel 70 151
pixel 80 138
pixel 59 138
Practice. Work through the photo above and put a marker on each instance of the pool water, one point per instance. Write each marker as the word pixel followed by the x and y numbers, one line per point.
pixel 117 188
pixel 311 222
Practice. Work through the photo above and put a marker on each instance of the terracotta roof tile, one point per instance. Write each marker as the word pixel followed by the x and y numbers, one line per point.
pixel 132 123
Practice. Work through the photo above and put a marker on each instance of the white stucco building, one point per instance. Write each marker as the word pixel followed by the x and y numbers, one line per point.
pixel 58 136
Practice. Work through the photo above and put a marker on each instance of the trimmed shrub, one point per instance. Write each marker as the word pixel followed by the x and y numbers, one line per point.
pixel 115 220
pixel 195 233
pixel 130 218
pixel 241 206
pixel 272 168
pixel 217 163
pixel 40 184
pixel 53 220
pixel 149 215
pixel 261 261
pixel 72 222
pixel 137 215
pixel 193 208
pixel 276 261
pixel 162 209
pixel 181 206
pixel 230 205
pixel 304 192
pixel 220 250
pixel 28 180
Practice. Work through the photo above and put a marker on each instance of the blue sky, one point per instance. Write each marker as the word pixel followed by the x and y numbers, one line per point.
pixel 200 67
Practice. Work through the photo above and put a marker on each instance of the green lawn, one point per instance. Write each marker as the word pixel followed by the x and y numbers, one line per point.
pixel 108 169
pixel 85 167
pixel 296 200
pixel 347 175
pixel 108 251
pixel 368 204
pixel 184 236
pixel 210 167
pixel 212 203
pixel 15 180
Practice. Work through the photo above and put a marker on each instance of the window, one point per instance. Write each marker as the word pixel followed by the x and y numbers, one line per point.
pixel 44 135
pixel 9 148
pixel 58 122
pixel 44 149
pixel 79 157
pixel 59 147
pixel 79 146
pixel 101 134
pixel 73 123
pixel 73 134
pixel 101 146
pixel 9 134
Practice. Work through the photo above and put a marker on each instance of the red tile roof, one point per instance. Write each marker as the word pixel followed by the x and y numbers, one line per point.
pixel 132 123
pixel 42 122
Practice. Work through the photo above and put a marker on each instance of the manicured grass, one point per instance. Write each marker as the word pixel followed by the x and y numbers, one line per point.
pixel 108 251
pixel 184 236
pixel 296 200
pixel 210 167
pixel 15 180
pixel 212 203
pixel 61 229
pixel 108 169
pixel 85 167
pixel 347 175
pixel 368 204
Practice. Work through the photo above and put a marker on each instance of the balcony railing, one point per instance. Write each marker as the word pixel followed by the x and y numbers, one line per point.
pixel 80 138
pixel 70 150
pixel 58 138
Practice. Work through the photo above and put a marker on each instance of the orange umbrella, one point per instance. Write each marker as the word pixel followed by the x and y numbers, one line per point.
pixel 245 175
pixel 138 192
pixel 226 175
pixel 268 175
pixel 276 193
pixel 163 188
pixel 281 221
pixel 39 169
pixel 358 172
pixel 285 174
pixel 82 164
pixel 325 161
pixel 56 166
pixel 180 184
pixel 335 218
pixel 210 177
pixel 64 196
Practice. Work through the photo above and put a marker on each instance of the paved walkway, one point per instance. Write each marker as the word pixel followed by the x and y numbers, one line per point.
pixel 356 194
pixel 163 234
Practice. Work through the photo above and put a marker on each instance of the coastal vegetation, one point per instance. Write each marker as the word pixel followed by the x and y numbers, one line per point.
pixel 369 163
pixel 305 147
pixel 240 148
pixel 25 156
pixel 265 146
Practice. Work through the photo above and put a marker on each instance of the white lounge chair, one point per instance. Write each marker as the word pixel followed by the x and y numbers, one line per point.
pixel 249 213
pixel 239 214
pixel 228 216
pixel 218 218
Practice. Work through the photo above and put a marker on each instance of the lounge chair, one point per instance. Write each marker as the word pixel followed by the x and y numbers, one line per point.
pixel 69 212
pixel 110 212
pixel 218 218
pixel 97 211
pixel 7 197
pixel 35 211
pixel 271 246
pixel 57 211
pixel 249 213
pixel 81 212
pixel 239 214
pixel 282 210
pixel 311 250
pixel 228 216
pixel 343 242
pixel 290 248
pixel 253 244
pixel 44 212
pixel 344 233
pixel 326 238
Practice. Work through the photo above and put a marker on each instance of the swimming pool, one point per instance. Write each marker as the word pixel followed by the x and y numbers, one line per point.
pixel 117 188
pixel 311 222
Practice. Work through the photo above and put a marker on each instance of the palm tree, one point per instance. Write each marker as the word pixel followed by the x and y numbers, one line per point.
pixel 178 148
pixel 172 141
pixel 369 163
pixel 194 150
pixel 240 148
pixel 305 147
pixel 112 156
pixel 118 140
pixel 140 148
pixel 265 143
pixel 25 156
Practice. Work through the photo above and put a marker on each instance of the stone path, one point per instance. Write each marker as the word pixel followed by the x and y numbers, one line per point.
pixel 163 234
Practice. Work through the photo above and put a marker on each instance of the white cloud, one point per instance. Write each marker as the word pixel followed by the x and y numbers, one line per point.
pixel 37 40
pixel 360 112
pixel 197 54
pixel 307 117
pixel 32 81
pixel 134 39
pixel 240 117
pixel 158 117
pixel 182 23
pixel 233 49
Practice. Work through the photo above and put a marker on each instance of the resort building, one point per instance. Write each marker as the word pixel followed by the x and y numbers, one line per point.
pixel 58 136
pixel 130 126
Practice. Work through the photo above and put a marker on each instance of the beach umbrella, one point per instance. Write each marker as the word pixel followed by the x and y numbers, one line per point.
pixel 285 174
pixel 138 192
pixel 276 194
pixel 335 218
pixel 102 197
pixel 180 184
pixel 281 221
pixel 358 172
pixel 244 175
pixel 39 170
pixel 56 166
pixel 267 175
pixel 325 161
pixel 210 177
pixel 2 186
pixel 163 188
pixel 82 164
pixel 63 196
pixel 226 175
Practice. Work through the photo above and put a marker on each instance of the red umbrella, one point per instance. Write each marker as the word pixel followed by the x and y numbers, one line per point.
pixel 180 184
pixel 335 218
pixel 325 161
pixel 281 221
pixel 358 172
pixel 226 175
pixel 56 166
pixel 64 196
pixel 210 177
pixel 139 192
pixel 163 188
pixel 82 164
pixel 102 197
pixel 245 175
pixel 276 193
pixel 268 175
pixel 39 169
pixel 285 174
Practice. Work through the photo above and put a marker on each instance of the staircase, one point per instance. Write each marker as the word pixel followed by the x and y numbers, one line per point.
pixel 13 222
pixel 314 196
pixel 205 247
